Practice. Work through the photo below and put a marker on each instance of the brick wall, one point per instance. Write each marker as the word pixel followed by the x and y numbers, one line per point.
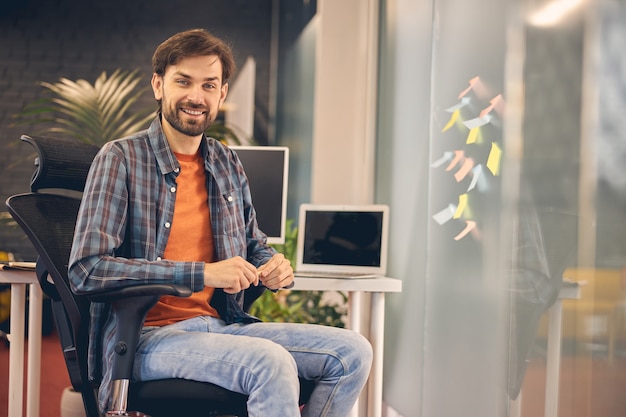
pixel 43 40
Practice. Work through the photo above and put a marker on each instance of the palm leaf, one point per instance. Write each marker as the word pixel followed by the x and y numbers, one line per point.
pixel 93 113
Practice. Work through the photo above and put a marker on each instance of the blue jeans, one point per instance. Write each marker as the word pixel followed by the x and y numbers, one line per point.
pixel 262 360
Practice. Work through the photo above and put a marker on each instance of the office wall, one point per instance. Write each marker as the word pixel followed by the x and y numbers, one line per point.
pixel 296 96
pixel 45 40
pixel 345 102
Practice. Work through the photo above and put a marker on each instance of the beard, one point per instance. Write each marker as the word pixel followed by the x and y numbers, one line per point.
pixel 191 127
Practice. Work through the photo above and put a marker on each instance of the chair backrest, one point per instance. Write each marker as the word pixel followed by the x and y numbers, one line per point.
pixel 61 163
pixel 48 220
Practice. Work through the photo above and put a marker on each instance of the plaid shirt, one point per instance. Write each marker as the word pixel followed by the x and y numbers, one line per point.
pixel 124 223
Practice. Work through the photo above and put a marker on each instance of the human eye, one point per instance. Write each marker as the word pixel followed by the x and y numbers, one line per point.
pixel 182 82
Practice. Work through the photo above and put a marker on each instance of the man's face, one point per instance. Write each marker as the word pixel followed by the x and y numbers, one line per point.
pixel 191 92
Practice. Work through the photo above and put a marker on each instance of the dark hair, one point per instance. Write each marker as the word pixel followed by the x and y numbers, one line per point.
pixel 194 42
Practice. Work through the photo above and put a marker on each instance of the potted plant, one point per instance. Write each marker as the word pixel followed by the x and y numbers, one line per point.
pixel 298 306
pixel 93 113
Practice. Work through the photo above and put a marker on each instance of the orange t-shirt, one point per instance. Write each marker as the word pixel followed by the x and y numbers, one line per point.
pixel 191 239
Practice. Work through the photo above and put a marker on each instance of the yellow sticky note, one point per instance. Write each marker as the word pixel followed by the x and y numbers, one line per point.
pixel 472 136
pixel 493 161
pixel 461 207
pixel 452 121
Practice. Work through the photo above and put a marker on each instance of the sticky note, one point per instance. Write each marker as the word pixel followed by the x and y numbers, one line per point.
pixel 496 103
pixel 472 135
pixel 462 103
pixel 473 82
pixel 477 121
pixel 461 207
pixel 478 179
pixel 493 160
pixel 469 226
pixel 445 215
pixel 447 156
pixel 464 170
pixel 452 121
pixel 458 156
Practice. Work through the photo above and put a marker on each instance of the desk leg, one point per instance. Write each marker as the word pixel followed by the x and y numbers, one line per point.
pixel 33 387
pixel 515 406
pixel 375 394
pixel 355 300
pixel 16 350
pixel 553 360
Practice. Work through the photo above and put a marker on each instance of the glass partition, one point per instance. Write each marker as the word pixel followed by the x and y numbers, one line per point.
pixel 524 295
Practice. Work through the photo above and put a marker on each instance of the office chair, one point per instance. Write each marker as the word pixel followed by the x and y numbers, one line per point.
pixel 48 219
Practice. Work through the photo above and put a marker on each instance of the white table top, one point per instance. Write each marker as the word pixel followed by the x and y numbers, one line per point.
pixel 17 276
pixel 570 290
pixel 383 284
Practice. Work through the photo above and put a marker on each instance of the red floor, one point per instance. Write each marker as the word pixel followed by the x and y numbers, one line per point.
pixel 53 376
pixel 589 387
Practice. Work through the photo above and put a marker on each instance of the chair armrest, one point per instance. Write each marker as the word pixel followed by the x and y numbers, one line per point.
pixel 111 295
pixel 129 307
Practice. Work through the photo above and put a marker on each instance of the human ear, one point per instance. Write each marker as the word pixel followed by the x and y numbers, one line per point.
pixel 157 86
pixel 223 93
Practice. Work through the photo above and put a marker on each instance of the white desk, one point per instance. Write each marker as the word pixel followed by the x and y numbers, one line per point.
pixel 355 287
pixel 19 280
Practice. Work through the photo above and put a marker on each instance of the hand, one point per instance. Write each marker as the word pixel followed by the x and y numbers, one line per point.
pixel 233 275
pixel 276 273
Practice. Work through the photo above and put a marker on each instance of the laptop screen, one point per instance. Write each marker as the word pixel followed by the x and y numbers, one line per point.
pixel 343 238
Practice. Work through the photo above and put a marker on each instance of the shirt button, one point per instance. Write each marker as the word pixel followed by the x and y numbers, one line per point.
pixel 173 189
pixel 230 198
pixel 167 225
pixel 158 258
pixel 176 170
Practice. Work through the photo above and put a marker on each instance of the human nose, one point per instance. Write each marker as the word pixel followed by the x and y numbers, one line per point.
pixel 195 94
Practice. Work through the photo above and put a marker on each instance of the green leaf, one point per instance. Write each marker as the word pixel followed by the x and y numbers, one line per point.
pixel 93 113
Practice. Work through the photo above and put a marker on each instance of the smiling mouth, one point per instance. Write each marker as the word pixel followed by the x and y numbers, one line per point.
pixel 192 112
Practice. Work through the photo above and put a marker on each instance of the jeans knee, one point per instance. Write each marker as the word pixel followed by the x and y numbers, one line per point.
pixel 361 354
pixel 274 385
pixel 350 356
pixel 275 362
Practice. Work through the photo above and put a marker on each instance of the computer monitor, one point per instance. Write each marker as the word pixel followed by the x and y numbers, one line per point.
pixel 267 169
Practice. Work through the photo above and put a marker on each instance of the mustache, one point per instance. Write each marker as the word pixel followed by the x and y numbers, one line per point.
pixel 191 105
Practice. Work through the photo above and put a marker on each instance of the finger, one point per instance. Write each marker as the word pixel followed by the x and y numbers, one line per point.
pixel 252 277
pixel 249 273
pixel 279 280
pixel 243 283
pixel 276 262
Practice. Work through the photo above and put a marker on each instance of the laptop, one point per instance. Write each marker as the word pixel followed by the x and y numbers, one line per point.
pixel 342 241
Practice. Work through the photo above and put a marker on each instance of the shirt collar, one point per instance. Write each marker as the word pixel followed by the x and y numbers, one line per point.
pixel 166 160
